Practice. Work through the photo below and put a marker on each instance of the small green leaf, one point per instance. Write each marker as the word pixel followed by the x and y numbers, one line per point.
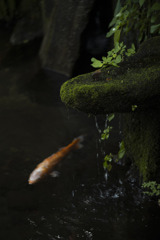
pixel 114 55
pixel 141 2
pixel 108 158
pixel 108 60
pixel 122 151
pixel 110 117
pixel 106 132
pixel 117 47
pixel 96 63
pixel 109 53
pixel 103 136
pixel 153 18
pixel 130 51
pixel 105 165
pixel 155 6
pixel 114 64
pixel 154 28
pixel 133 46
pixel 109 167
pixel 153 188
pixel 117 8
pixel 118 15
pixel 107 162
pixel 125 14
pixel 134 107
pixel 118 59
pixel 112 31
pixel 107 136
pixel 105 60
pixel 121 154
pixel 117 36
pixel 112 22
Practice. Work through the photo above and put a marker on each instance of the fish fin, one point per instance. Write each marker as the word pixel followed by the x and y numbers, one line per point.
pixel 79 144
pixel 55 174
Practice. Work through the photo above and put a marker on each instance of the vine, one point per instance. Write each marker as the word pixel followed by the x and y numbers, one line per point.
pixel 114 57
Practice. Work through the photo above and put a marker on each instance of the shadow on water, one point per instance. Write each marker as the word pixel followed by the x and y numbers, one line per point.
pixel 80 203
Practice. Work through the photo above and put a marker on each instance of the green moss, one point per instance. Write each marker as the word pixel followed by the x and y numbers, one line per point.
pixel 124 89
pixel 141 137
pixel 135 82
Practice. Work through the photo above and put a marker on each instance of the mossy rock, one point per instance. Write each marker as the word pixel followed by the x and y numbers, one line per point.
pixel 141 137
pixel 135 82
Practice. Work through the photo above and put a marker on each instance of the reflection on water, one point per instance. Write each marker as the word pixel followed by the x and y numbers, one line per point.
pixel 80 203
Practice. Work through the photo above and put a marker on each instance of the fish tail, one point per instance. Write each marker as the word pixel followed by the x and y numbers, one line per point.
pixel 79 144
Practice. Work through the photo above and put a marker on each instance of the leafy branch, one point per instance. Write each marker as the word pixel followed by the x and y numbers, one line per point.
pixel 114 56
pixel 140 16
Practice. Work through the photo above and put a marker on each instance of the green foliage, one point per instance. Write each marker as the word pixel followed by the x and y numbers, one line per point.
pixel 107 164
pixel 140 16
pixel 122 151
pixel 96 63
pixel 153 188
pixel 109 158
pixel 114 57
pixel 134 107
pixel 111 117
pixel 105 134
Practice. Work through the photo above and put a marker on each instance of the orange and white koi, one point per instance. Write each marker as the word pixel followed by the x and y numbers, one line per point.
pixel 47 165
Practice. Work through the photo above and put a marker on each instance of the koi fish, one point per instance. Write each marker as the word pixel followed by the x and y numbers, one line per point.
pixel 47 165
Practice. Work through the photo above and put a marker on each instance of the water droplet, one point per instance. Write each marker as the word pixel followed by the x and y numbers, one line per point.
pixel 106 176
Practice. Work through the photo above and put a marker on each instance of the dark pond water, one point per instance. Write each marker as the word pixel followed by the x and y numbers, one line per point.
pixel 84 202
